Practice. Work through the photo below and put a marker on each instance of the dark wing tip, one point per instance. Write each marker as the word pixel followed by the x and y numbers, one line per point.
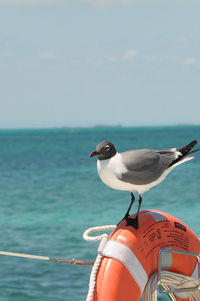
pixel 185 149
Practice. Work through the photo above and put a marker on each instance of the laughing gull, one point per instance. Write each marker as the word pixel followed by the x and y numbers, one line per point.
pixel 137 170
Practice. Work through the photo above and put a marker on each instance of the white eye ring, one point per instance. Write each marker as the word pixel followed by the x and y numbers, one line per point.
pixel 107 147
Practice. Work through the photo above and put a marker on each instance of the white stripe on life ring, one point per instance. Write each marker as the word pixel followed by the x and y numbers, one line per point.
pixel 121 252
pixel 195 273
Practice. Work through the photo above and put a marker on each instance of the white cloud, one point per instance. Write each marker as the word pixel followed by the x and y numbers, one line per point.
pixel 186 61
pixel 172 59
pixel 48 54
pixel 190 61
pixel 129 54
pixel 133 54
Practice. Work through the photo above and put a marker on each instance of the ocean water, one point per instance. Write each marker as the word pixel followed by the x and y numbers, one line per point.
pixel 50 193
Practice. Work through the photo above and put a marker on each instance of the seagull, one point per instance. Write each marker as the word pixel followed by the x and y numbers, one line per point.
pixel 137 170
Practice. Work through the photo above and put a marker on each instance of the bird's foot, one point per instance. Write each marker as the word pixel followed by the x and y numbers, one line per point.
pixel 133 222
pixel 130 221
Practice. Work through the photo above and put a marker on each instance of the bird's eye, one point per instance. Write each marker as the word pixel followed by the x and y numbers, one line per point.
pixel 107 147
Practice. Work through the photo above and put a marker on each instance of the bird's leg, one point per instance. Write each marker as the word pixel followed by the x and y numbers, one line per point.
pixel 134 221
pixel 139 205
pixel 129 208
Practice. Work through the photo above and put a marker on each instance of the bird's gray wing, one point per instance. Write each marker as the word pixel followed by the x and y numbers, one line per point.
pixel 145 166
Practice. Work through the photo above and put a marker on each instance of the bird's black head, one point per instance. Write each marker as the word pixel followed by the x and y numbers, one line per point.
pixel 104 150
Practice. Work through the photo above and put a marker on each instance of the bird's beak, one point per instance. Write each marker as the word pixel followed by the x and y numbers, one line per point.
pixel 95 153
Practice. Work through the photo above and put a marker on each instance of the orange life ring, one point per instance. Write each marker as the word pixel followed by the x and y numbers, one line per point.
pixel 131 256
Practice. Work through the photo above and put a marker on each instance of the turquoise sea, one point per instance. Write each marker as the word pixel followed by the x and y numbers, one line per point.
pixel 50 193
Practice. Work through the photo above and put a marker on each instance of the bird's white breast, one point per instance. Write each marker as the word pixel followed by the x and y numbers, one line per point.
pixel 109 170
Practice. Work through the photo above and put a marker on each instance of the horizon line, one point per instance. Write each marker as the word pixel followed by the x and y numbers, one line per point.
pixel 98 126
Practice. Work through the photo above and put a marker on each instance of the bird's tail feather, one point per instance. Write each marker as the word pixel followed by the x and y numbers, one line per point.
pixel 185 150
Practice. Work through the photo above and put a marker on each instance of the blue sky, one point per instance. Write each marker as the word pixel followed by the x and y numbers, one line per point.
pixel 91 62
